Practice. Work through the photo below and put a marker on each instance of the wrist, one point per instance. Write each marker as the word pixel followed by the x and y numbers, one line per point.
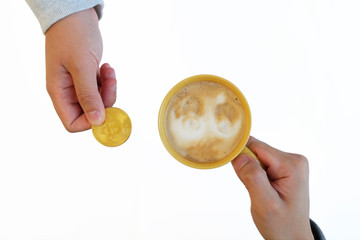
pixel 49 14
pixel 304 235
pixel 85 17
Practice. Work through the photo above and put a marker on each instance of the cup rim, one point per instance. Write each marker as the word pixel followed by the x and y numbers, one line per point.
pixel 162 112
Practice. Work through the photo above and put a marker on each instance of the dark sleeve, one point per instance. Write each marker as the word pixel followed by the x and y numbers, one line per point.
pixel 316 231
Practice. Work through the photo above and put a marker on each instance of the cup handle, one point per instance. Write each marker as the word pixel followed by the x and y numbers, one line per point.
pixel 248 152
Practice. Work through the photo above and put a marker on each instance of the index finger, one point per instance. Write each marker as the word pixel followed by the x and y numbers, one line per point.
pixel 278 163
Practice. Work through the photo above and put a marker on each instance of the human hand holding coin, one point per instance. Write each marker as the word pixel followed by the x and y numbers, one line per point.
pixel 77 87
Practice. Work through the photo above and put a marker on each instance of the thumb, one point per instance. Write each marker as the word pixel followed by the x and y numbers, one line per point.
pixel 254 177
pixel 88 95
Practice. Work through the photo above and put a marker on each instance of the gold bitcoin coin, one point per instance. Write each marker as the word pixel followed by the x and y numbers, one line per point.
pixel 115 130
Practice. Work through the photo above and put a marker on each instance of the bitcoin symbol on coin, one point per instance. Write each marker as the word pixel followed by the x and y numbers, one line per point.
pixel 116 128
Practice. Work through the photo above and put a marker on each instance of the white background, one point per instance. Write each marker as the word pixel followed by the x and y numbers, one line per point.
pixel 297 62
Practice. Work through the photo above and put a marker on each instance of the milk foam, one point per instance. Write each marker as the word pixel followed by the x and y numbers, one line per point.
pixel 204 122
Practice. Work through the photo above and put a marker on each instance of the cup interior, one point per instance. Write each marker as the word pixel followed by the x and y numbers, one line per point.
pixel 162 126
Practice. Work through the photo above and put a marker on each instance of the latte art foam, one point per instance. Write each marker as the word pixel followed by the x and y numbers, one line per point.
pixel 204 121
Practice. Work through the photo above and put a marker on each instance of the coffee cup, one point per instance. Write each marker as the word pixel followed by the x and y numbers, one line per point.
pixel 204 122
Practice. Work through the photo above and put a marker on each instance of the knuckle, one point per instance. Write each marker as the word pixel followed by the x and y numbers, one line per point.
pixel 86 99
pixel 252 174
pixel 74 127
pixel 79 63
pixel 78 66
pixel 256 146
pixel 69 128
pixel 301 167
pixel 50 90
pixel 301 162
pixel 68 125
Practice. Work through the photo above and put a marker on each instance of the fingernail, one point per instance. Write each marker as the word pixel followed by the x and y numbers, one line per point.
pixel 112 74
pixel 114 88
pixel 95 118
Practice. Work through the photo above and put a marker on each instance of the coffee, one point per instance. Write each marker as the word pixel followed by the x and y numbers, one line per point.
pixel 204 121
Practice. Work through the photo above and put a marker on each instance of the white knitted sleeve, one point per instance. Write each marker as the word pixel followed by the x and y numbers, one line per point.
pixel 50 11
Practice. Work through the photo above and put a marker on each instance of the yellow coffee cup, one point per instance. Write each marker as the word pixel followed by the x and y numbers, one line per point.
pixel 204 122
